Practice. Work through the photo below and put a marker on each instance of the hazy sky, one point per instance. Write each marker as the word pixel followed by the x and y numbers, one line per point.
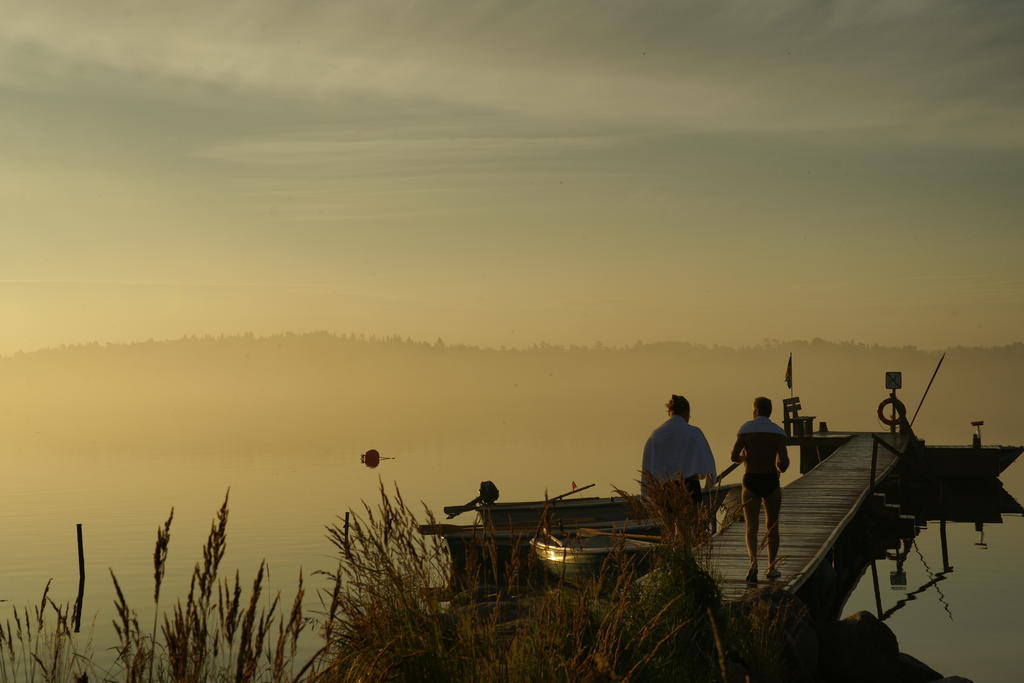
pixel 504 172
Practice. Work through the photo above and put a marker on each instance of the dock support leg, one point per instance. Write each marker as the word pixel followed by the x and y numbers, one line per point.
pixel 878 593
pixel 945 547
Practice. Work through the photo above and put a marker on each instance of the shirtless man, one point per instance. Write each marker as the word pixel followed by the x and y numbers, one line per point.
pixel 761 446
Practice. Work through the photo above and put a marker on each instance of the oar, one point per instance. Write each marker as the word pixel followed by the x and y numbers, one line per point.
pixel 618 534
pixel 728 469
pixel 569 493
pixel 440 529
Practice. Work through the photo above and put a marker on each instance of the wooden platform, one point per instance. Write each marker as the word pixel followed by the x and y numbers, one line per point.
pixel 815 510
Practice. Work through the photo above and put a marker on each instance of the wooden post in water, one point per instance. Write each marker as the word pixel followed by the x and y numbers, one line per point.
pixel 878 593
pixel 81 579
pixel 945 547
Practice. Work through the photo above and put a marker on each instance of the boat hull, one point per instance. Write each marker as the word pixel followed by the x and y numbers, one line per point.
pixel 579 558
pixel 969 461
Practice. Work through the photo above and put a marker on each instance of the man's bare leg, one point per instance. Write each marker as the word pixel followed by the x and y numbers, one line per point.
pixel 772 504
pixel 751 510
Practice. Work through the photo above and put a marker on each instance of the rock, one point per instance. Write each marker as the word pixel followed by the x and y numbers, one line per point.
pixel 859 649
pixel 802 651
pixel 915 671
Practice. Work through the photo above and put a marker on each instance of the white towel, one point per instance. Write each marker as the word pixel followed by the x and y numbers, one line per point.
pixel 761 425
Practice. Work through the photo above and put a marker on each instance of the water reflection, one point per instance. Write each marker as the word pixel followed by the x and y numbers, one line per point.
pixel 898 577
pixel 892 538
pixel 952 557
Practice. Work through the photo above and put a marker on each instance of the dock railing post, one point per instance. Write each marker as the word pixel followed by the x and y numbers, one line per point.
pixel 875 441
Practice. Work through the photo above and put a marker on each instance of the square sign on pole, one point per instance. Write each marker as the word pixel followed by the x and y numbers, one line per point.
pixel 894 380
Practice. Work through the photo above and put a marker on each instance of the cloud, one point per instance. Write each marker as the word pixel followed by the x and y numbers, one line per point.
pixel 931 70
pixel 389 147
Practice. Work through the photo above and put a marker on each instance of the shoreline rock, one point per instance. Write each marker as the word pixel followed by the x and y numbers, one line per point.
pixel 857 649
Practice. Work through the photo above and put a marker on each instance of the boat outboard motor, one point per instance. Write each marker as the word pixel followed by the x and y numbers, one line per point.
pixel 488 492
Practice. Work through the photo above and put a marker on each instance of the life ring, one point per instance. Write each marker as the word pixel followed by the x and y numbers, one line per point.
pixel 901 411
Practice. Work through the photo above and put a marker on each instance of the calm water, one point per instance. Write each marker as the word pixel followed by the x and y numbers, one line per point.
pixel 971 623
pixel 282 497
pixel 280 501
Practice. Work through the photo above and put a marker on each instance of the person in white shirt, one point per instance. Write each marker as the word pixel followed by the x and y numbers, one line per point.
pixel 678 451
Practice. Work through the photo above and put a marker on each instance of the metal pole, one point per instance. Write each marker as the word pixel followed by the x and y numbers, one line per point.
pixel 925 395
pixel 81 579
pixel 892 427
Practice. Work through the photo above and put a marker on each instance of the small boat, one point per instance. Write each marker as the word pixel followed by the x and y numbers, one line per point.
pixel 515 522
pixel 967 499
pixel 501 534
pixel 969 461
pixel 568 511
pixel 582 554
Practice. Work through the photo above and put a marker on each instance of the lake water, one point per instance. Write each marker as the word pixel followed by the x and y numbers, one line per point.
pixel 280 502
pixel 969 623
pixel 285 491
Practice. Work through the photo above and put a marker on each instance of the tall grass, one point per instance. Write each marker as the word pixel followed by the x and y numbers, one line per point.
pixel 217 633
pixel 386 619
pixel 38 644
pixel 390 611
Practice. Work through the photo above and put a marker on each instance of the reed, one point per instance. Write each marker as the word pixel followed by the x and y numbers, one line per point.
pixel 760 631
pixel 212 634
pixel 217 633
pixel 386 619
pixel 391 610
pixel 40 645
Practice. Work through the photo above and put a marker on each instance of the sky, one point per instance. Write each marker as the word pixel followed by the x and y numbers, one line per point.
pixel 508 172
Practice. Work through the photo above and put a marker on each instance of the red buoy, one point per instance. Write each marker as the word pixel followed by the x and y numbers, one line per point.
pixel 370 458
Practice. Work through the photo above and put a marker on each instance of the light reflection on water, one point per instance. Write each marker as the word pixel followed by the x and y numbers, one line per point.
pixel 968 623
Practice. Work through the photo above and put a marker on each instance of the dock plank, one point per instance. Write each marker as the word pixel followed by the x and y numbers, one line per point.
pixel 815 510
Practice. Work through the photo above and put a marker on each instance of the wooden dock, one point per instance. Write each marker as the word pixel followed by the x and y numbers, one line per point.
pixel 815 510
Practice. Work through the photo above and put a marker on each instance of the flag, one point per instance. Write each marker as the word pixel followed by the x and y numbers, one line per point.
pixel 789 372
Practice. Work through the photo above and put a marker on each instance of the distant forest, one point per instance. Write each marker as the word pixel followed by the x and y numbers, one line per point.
pixel 298 388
